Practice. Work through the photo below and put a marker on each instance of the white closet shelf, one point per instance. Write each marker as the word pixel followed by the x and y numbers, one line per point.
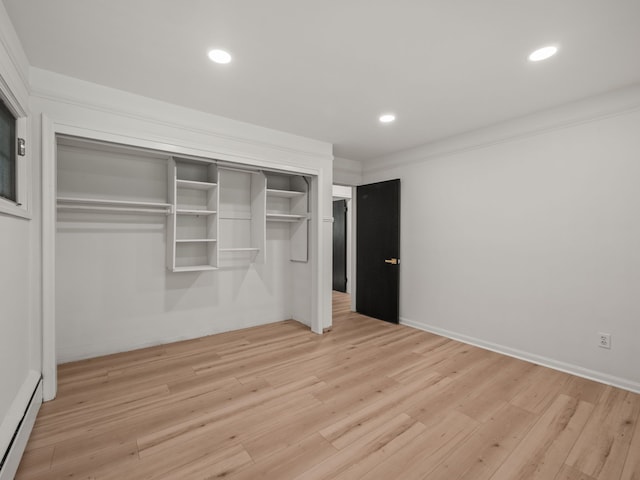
pixel 195 185
pixel 106 205
pixel 235 216
pixel 240 249
pixel 194 268
pixel 107 202
pixel 283 193
pixel 285 217
pixel 195 240
pixel 191 211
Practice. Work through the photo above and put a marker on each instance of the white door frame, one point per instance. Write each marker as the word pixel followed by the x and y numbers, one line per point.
pixel 49 173
pixel 351 239
pixel 340 194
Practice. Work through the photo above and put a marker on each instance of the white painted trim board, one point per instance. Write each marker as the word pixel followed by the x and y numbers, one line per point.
pixel 526 356
pixel 25 410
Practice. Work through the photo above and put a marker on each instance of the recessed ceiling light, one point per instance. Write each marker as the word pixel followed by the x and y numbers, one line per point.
pixel 219 56
pixel 543 53
pixel 387 118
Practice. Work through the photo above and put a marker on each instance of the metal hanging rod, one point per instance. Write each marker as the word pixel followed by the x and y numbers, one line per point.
pixel 107 202
pixel 98 208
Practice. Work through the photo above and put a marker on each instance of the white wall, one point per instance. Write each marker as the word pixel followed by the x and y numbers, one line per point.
pixel 19 303
pixel 14 320
pixel 525 237
pixel 133 302
pixel 114 292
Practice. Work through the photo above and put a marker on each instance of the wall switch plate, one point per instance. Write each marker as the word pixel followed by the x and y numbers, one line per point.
pixel 604 340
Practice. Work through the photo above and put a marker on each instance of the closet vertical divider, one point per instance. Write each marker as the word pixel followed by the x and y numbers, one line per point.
pixel 213 221
pixel 259 215
pixel 192 226
pixel 300 230
pixel 171 217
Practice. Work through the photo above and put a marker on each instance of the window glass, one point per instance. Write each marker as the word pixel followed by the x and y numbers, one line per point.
pixel 7 153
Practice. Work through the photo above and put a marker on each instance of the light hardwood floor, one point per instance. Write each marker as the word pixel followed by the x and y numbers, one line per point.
pixel 368 400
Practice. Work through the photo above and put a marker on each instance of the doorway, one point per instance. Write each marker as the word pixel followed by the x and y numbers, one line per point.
pixel 340 246
pixel 343 239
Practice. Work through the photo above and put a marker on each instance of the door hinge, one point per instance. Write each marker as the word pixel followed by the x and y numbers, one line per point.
pixel 22 147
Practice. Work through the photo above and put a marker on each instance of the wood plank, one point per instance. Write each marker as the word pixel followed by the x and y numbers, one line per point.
pixel 203 461
pixel 602 447
pixel 368 450
pixel 348 429
pixel 583 389
pixel 289 462
pixel 632 463
pixel 507 380
pixel 479 455
pixel 264 444
pixel 232 406
pixel 542 452
pixel 417 459
pixel 458 392
pixel 569 473
pixel 115 456
pixel 543 386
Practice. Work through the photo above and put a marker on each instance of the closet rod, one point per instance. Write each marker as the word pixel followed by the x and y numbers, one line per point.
pixel 98 208
pixel 107 202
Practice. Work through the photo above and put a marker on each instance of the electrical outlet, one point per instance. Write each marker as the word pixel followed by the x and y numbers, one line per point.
pixel 604 340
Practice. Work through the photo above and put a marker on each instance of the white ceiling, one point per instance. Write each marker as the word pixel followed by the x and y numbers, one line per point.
pixel 326 69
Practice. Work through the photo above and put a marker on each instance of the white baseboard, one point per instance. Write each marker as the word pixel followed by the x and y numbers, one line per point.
pixel 529 357
pixel 74 353
pixel 25 408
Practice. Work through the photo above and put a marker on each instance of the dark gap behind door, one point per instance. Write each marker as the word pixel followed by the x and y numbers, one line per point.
pixel 340 245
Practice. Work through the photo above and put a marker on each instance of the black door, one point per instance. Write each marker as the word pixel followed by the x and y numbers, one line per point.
pixel 340 245
pixel 378 250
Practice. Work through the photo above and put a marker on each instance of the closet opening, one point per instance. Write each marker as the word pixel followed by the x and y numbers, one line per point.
pixel 154 247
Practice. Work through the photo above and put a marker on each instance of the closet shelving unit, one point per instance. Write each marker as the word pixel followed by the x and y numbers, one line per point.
pixel 214 210
pixel 287 199
pixel 192 224
pixel 243 213
pixel 286 215
pixel 94 177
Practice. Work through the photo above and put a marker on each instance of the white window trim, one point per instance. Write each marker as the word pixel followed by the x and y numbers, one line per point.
pixel 22 207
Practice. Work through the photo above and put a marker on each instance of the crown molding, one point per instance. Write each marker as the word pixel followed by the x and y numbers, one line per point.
pixel 53 87
pixel 612 104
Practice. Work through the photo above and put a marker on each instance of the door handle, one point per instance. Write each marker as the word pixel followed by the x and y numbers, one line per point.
pixel 392 261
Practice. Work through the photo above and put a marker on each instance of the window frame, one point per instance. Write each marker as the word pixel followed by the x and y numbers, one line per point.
pixel 22 206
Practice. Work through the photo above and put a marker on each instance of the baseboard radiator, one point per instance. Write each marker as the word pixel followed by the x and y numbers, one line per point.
pixel 13 453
